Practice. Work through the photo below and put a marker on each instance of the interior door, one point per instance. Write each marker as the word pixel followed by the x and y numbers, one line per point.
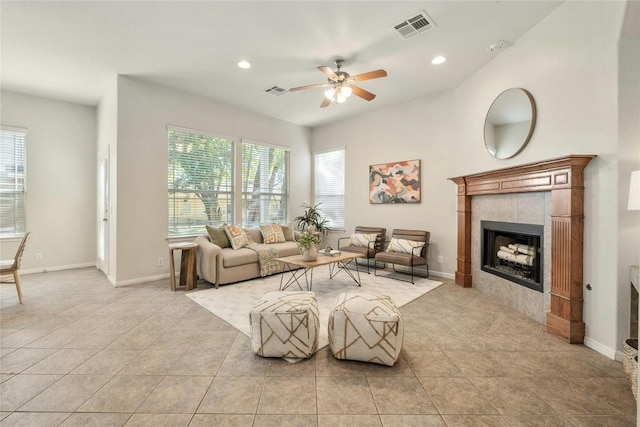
pixel 103 214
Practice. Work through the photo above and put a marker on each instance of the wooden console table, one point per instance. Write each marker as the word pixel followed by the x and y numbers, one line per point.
pixel 188 274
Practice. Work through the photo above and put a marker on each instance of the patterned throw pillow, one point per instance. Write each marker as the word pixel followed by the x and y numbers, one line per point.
pixel 272 233
pixel 361 239
pixel 237 236
pixel 218 236
pixel 404 246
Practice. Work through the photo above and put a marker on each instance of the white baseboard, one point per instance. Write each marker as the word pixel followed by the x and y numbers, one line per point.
pixel 57 268
pixel 619 356
pixel 139 280
pixel 111 279
pixel 602 349
pixel 442 274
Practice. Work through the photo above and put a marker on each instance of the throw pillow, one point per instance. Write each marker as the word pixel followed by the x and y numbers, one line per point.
pixel 362 239
pixel 289 235
pixel 404 246
pixel 237 236
pixel 272 233
pixel 218 236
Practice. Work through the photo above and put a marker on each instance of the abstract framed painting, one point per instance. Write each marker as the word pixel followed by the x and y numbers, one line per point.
pixel 396 182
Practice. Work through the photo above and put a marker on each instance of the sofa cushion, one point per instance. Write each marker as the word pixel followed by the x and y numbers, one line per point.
pixel 218 236
pixel 287 249
pixel 272 233
pixel 289 235
pixel 254 235
pixel 242 256
pixel 237 236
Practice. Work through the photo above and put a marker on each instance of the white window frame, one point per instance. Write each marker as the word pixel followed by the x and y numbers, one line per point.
pixel 239 179
pixel 19 213
pixel 232 193
pixel 236 194
pixel 336 188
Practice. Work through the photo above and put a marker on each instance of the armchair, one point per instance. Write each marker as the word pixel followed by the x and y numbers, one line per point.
pixel 361 243
pixel 408 248
pixel 11 267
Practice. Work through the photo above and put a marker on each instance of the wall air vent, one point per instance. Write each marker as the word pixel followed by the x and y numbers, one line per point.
pixel 276 90
pixel 414 25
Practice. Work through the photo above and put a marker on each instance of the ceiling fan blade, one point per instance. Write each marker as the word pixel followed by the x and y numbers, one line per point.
pixel 325 103
pixel 370 75
pixel 364 94
pixel 327 71
pixel 293 89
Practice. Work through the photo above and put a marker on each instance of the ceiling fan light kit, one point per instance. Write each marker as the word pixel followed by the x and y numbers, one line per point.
pixel 340 84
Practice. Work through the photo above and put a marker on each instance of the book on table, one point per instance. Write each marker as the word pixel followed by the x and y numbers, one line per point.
pixel 330 252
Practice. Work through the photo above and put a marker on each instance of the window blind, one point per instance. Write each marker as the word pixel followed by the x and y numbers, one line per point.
pixel 329 185
pixel 264 184
pixel 13 186
pixel 200 181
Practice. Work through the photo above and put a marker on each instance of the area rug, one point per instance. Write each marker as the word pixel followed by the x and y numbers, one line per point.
pixel 232 303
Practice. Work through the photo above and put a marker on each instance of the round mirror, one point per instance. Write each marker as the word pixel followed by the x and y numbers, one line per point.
pixel 509 123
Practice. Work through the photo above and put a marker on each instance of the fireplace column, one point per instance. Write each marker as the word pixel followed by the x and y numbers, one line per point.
pixel 567 231
pixel 463 272
pixel 564 177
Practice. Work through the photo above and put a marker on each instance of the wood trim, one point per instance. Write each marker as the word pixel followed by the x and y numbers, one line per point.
pixel 564 178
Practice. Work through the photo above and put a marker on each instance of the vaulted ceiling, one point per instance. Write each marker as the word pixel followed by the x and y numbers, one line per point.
pixel 70 50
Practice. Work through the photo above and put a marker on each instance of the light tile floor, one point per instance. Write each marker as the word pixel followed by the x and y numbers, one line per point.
pixel 80 352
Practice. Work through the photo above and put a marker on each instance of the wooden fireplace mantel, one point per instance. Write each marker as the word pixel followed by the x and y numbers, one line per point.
pixel 564 178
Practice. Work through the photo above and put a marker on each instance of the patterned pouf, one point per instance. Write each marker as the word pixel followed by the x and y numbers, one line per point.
pixel 366 327
pixel 285 324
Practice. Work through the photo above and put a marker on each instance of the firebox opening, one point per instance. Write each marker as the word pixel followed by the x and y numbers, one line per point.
pixel 514 252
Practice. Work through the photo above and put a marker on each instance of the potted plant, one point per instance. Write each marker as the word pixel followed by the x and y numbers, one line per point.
pixel 308 243
pixel 311 219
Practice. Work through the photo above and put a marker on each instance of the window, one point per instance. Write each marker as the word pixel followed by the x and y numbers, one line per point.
pixel 203 170
pixel 329 185
pixel 201 185
pixel 264 184
pixel 13 189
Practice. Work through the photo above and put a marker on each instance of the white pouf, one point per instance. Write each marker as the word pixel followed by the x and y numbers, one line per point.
pixel 366 327
pixel 285 324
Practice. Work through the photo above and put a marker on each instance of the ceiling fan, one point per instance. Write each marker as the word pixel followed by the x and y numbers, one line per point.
pixel 340 84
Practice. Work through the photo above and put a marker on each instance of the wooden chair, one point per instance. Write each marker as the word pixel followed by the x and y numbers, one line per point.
pixel 12 267
pixel 369 251
pixel 411 258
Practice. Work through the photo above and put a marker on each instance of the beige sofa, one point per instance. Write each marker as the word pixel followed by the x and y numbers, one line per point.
pixel 222 266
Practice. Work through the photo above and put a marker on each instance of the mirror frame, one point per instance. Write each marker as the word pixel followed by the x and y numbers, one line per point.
pixel 526 140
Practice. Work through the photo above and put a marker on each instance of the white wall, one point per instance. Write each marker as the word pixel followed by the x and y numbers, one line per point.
pixel 423 129
pixel 61 170
pixel 629 157
pixel 569 64
pixel 144 111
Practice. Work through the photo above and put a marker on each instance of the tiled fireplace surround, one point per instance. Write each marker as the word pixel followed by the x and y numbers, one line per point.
pixel 548 193
pixel 523 208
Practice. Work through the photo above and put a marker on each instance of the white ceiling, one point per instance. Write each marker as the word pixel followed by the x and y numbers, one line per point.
pixel 70 50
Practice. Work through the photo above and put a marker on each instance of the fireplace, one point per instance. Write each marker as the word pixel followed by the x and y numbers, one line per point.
pixel 514 252
pixel 564 179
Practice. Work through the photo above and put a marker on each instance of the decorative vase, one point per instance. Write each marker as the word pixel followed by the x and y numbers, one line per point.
pixel 310 253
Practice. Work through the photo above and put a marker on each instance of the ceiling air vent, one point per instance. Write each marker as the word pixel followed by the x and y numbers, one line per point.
pixel 414 25
pixel 276 90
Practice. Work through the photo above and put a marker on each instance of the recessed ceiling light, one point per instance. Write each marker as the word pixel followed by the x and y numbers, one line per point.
pixel 244 64
pixel 438 60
